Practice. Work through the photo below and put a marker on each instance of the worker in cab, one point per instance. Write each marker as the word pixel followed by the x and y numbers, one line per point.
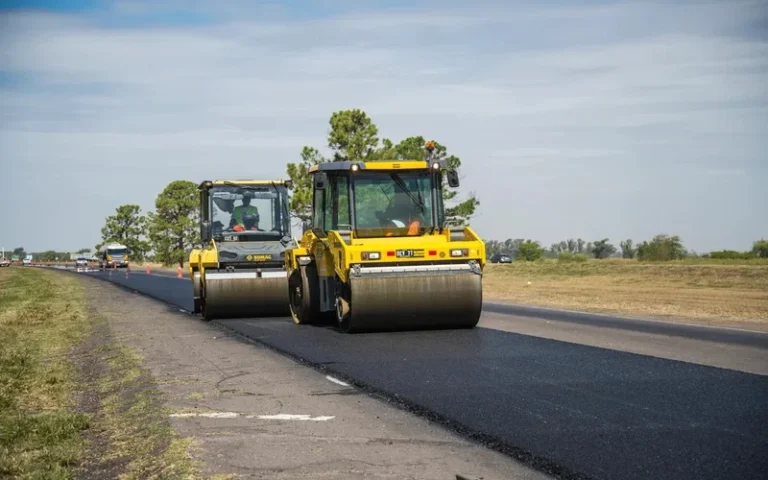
pixel 403 212
pixel 245 216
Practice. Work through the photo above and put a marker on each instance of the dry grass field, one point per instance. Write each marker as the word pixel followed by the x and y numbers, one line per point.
pixel 707 290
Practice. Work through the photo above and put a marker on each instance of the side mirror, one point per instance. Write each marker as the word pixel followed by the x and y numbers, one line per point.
pixel 205 231
pixel 453 179
pixel 321 180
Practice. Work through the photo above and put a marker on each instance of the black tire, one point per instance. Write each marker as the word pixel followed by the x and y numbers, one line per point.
pixel 203 306
pixel 304 295
pixel 343 319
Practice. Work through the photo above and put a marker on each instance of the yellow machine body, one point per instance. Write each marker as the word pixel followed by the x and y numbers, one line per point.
pixel 364 279
pixel 241 273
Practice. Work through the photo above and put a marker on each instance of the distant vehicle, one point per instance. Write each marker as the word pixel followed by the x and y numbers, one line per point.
pixel 4 262
pixel 27 260
pixel 81 262
pixel 113 255
pixel 501 258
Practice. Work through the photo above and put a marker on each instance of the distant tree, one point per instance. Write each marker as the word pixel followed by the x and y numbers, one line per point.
pixel 354 136
pixel 580 246
pixel 602 249
pixel 19 251
pixel 128 227
pixel 661 247
pixel 732 255
pixel 760 248
pixel 84 251
pixel 627 250
pixel 174 225
pixel 530 250
pixel 301 196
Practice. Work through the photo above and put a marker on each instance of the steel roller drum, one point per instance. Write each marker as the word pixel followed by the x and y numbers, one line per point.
pixel 415 301
pixel 246 294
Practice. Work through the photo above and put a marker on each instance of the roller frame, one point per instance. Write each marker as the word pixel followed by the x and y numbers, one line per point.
pixel 381 282
pixel 228 280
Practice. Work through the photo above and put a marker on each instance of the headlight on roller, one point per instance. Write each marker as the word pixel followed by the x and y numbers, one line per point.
pixel 305 260
pixel 371 255
pixel 459 252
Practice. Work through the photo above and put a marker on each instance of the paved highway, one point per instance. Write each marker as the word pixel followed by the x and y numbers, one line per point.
pixel 573 410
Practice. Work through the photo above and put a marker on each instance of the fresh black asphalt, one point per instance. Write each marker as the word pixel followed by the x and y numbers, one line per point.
pixel 574 410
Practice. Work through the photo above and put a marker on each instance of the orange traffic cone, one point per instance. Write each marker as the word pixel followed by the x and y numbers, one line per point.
pixel 178 272
pixel 146 268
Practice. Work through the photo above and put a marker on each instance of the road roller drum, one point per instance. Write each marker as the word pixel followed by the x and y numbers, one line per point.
pixel 412 301
pixel 245 293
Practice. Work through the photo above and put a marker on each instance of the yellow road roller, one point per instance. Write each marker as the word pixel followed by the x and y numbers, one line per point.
pixel 245 230
pixel 378 254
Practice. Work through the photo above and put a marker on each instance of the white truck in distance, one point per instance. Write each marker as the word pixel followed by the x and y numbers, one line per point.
pixel 113 255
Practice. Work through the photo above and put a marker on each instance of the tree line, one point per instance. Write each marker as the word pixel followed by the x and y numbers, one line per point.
pixel 661 247
pixel 168 232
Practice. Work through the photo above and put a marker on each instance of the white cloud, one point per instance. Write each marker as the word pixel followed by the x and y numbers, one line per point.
pixel 577 106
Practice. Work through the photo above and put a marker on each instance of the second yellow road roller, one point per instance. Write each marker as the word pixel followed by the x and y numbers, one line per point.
pixel 240 269
pixel 378 254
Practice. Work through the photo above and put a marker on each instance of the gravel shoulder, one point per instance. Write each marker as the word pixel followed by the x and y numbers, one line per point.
pixel 241 410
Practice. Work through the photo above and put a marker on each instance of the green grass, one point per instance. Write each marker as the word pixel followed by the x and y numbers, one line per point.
pixel 44 433
pixel 41 319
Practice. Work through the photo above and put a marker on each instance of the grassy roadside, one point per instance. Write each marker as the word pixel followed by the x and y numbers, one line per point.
pixel 40 321
pixel 730 291
pixel 73 402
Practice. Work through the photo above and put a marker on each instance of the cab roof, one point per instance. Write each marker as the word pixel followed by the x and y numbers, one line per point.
pixel 255 183
pixel 375 165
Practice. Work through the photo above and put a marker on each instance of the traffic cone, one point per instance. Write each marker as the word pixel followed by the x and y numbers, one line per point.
pixel 178 272
pixel 146 269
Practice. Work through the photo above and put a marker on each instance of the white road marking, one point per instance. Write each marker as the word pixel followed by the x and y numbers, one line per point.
pixel 336 381
pixel 207 415
pixel 288 416
pixel 280 416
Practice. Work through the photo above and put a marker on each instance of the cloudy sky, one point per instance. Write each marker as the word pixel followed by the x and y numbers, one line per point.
pixel 573 119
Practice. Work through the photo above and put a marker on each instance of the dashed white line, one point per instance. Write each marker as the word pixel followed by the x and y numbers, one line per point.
pixel 279 416
pixel 336 381
pixel 287 416
pixel 207 415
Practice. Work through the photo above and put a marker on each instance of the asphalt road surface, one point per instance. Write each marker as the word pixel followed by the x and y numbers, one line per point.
pixel 572 410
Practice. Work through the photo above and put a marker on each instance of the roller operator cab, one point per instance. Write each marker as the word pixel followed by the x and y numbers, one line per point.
pixel 239 271
pixel 377 254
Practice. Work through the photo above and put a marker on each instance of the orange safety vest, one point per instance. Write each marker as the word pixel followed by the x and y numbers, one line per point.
pixel 413 229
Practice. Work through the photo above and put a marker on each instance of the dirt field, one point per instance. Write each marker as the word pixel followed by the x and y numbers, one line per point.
pixel 723 291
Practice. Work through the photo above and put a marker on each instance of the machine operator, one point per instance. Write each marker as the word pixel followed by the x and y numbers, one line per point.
pixel 404 212
pixel 245 216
